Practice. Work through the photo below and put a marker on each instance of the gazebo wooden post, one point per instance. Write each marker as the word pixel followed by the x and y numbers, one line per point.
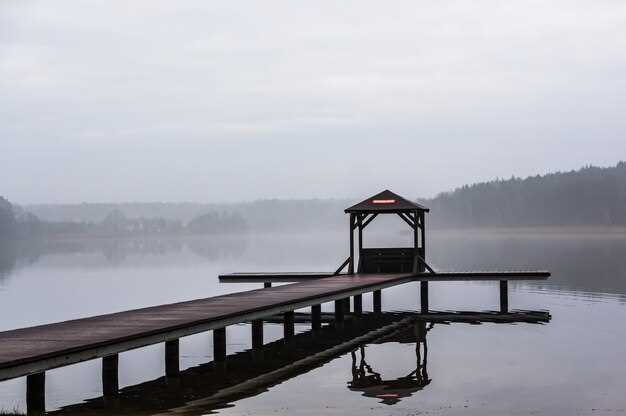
pixel 423 232
pixel 415 217
pixel 351 264
pixel 415 230
pixel 422 250
pixel 358 299
pixel 360 225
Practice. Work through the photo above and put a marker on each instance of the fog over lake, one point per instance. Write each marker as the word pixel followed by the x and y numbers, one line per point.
pixel 569 365
pixel 161 101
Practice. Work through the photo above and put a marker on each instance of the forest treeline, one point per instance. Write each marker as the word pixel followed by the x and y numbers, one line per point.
pixel 589 196
pixel 269 215
pixel 18 223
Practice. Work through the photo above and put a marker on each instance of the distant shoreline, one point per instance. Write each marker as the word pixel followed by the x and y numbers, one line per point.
pixel 547 230
pixel 469 232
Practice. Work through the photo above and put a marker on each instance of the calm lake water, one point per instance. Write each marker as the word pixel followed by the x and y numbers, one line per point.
pixel 573 364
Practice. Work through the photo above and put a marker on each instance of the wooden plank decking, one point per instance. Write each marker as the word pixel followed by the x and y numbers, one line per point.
pixel 31 350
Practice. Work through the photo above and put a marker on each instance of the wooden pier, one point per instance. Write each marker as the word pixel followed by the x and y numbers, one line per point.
pixel 32 351
pixel 39 348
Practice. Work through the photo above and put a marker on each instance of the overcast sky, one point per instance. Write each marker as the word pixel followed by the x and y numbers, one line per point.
pixel 225 101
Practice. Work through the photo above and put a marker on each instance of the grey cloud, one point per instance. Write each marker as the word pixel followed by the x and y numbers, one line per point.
pixel 205 101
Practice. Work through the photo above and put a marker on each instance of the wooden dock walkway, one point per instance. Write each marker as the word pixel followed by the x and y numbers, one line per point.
pixel 39 348
pixel 32 351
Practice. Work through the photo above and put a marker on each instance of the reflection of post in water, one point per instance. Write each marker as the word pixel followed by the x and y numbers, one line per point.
pixel 391 391
pixel 420 337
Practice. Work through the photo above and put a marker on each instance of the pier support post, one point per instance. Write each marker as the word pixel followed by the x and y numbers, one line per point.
pixel 504 296
pixel 267 284
pixel 358 304
pixel 316 317
pixel 424 296
pixel 346 305
pixel 172 358
pixel 219 345
pixel 377 300
pixel 257 334
pixel 110 380
pixel 339 310
pixel 257 340
pixel 36 394
pixel 288 325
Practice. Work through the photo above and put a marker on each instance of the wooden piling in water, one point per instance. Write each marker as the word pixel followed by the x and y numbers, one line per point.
pixel 110 375
pixel 377 301
pixel 219 345
pixel 172 358
pixel 289 328
pixel 504 296
pixel 36 394
pixel 257 340
pixel 316 317
pixel 424 297
pixel 257 334
pixel 357 300
pixel 339 310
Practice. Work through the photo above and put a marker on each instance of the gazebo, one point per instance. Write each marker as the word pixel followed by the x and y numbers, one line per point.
pixel 381 266
pixel 387 260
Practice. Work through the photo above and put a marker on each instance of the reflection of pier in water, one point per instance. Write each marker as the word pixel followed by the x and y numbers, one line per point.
pixel 390 391
pixel 212 386
pixel 371 383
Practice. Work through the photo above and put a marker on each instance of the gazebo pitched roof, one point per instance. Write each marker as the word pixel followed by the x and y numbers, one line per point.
pixel 386 201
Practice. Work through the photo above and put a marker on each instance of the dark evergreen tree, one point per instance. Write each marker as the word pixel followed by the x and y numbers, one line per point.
pixel 8 225
pixel 217 223
pixel 589 196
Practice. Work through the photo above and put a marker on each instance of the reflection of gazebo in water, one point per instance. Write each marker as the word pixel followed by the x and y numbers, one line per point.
pixel 391 391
